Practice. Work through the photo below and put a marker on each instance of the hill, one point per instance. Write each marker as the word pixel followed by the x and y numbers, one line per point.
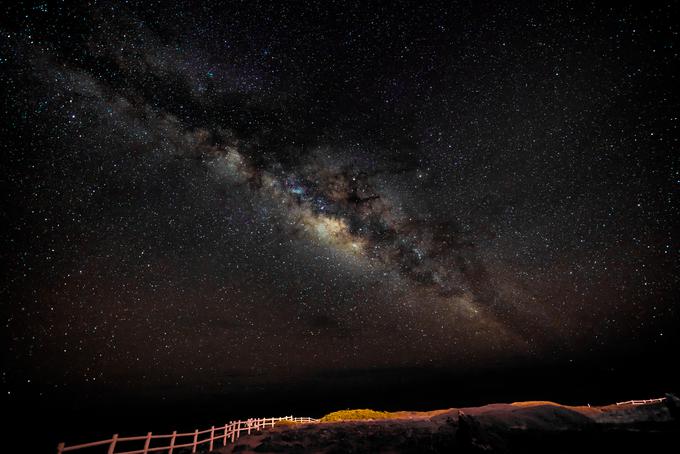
pixel 526 427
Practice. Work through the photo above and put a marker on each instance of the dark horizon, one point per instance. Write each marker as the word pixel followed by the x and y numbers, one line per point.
pixel 97 413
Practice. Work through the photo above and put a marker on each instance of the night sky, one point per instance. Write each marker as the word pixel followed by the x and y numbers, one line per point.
pixel 229 199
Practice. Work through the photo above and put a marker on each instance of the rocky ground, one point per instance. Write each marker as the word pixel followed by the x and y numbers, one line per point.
pixel 526 427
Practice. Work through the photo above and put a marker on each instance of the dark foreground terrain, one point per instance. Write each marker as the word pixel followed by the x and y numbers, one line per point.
pixel 524 427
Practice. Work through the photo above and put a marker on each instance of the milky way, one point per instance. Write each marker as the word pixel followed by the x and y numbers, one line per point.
pixel 338 207
pixel 202 197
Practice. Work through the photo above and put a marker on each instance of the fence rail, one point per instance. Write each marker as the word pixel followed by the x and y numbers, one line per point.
pixel 641 402
pixel 229 432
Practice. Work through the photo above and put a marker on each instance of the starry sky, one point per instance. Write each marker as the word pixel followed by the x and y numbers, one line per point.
pixel 204 197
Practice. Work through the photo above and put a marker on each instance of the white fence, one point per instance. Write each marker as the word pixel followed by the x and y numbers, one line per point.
pixel 641 402
pixel 228 432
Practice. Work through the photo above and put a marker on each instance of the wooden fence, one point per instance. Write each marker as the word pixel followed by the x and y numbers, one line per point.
pixel 641 402
pixel 213 436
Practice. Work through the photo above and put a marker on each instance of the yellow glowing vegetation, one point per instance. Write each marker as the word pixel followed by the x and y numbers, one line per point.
pixel 533 403
pixel 344 415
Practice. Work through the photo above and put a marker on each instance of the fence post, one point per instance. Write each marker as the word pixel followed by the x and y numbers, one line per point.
pixel 60 448
pixel 147 442
pixel 172 441
pixel 233 432
pixel 212 437
pixel 224 442
pixel 195 441
pixel 112 446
